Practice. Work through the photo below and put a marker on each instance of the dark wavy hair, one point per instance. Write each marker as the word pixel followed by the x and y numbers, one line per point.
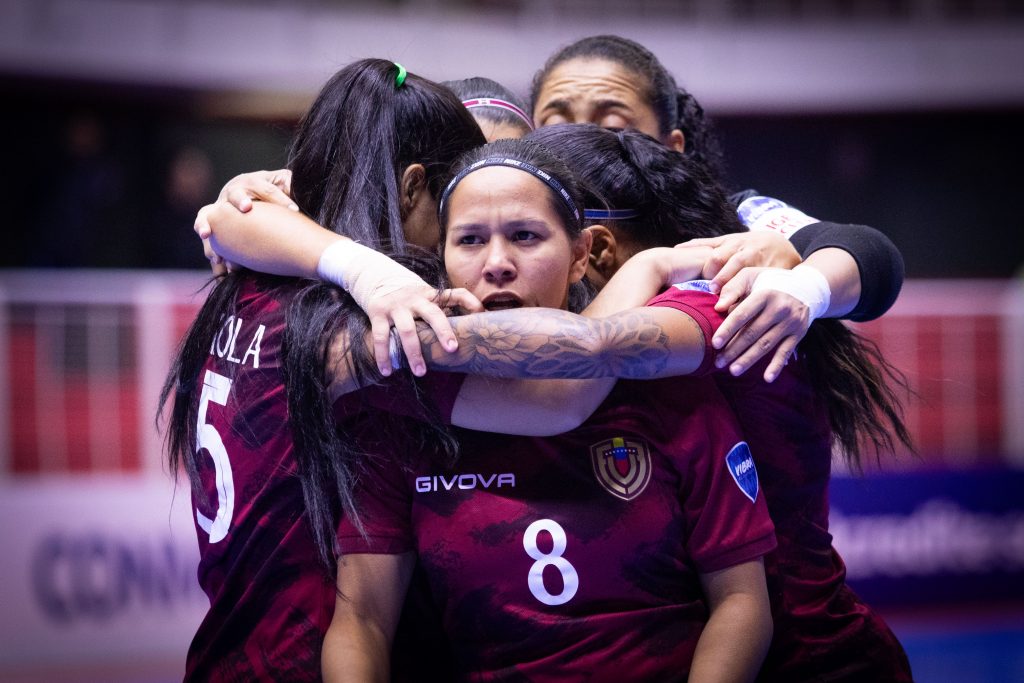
pixel 672 104
pixel 346 158
pixel 679 200
pixel 478 86
pixel 675 195
pixel 531 152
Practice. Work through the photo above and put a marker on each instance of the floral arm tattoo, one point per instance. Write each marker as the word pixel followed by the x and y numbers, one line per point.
pixel 548 343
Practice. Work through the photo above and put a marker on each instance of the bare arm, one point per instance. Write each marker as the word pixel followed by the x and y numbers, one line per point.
pixel 735 640
pixel 642 277
pixel 274 239
pixel 526 365
pixel 268 238
pixel 357 646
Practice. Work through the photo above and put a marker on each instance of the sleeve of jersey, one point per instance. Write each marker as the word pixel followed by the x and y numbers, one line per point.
pixel 383 498
pixel 879 261
pixel 694 299
pixel 430 398
pixel 724 505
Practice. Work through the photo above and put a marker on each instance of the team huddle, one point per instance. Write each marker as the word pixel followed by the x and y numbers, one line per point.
pixel 500 392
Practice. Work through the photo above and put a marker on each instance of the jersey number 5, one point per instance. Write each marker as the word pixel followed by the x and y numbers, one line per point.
pixel 216 388
pixel 535 579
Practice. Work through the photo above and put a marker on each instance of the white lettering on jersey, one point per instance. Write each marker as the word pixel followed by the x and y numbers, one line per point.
pixel 767 213
pixel 465 482
pixel 254 347
pixel 224 343
pixel 215 389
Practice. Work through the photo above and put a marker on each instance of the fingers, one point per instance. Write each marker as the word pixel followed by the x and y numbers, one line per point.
pixel 756 327
pixel 782 354
pixel 267 186
pixel 438 321
pixel 732 264
pixel 736 289
pixel 405 326
pixel 704 241
pixel 202 224
pixel 217 264
pixel 462 298
pixel 736 323
pixel 238 197
pixel 380 332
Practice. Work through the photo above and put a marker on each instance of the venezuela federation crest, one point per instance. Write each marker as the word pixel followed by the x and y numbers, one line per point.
pixel 622 466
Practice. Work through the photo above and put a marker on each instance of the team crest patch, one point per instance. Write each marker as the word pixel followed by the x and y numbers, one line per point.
pixel 622 466
pixel 741 466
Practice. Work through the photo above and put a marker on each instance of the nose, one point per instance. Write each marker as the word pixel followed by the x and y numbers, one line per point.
pixel 499 267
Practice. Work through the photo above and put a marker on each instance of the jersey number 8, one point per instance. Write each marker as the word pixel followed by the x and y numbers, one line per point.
pixel 535 579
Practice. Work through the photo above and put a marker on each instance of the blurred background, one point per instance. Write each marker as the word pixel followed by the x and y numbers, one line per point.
pixel 123 117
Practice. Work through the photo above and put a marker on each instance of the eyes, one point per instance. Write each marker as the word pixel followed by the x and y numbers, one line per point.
pixel 605 115
pixel 524 237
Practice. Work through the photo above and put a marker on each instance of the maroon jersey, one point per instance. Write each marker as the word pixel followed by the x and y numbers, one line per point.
pixel 823 632
pixel 270 600
pixel 576 557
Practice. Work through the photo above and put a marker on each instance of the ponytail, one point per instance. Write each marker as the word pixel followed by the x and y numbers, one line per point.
pixel 856 383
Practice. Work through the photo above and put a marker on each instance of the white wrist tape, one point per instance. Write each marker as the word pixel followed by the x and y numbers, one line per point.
pixel 804 283
pixel 362 272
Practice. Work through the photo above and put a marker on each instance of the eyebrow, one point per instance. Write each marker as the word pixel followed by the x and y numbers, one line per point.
pixel 608 104
pixel 556 105
pixel 519 224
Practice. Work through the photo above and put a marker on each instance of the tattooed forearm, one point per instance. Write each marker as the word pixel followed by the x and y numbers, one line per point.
pixel 547 343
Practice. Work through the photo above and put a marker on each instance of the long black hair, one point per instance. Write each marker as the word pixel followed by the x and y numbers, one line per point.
pixel 675 196
pixel 346 158
pixel 530 152
pixel 673 105
pixel 677 200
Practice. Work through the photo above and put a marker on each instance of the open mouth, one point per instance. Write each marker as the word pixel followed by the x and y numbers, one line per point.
pixel 502 302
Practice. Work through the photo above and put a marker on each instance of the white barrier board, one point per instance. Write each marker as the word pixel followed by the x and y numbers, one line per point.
pixel 96 569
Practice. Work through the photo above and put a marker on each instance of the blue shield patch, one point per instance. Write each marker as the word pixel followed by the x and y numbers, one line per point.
pixel 741 466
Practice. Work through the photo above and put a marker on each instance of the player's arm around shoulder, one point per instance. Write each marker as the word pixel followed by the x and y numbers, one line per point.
pixel 735 640
pixel 372 588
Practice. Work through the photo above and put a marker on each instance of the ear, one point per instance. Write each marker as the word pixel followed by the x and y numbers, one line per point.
pixel 412 188
pixel 603 250
pixel 676 140
pixel 581 252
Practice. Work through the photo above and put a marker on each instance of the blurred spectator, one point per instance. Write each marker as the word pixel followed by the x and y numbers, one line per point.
pixel 187 186
pixel 82 222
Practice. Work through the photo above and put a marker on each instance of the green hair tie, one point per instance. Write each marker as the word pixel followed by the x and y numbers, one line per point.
pixel 400 78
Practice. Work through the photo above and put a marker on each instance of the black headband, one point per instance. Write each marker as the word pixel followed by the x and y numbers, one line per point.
pixel 547 178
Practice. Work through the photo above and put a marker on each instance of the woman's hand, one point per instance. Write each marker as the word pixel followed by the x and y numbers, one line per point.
pixel 399 306
pixel 274 187
pixel 731 253
pixel 771 310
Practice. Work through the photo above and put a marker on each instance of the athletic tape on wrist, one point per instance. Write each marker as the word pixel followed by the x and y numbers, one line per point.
pixel 804 283
pixel 334 261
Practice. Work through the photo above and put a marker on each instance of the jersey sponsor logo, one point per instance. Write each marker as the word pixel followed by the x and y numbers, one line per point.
pixel 622 466
pixel 766 213
pixel 741 466
pixel 465 482
pixel 694 286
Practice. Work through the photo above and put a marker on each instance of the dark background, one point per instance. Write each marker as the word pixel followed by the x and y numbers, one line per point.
pixel 942 184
